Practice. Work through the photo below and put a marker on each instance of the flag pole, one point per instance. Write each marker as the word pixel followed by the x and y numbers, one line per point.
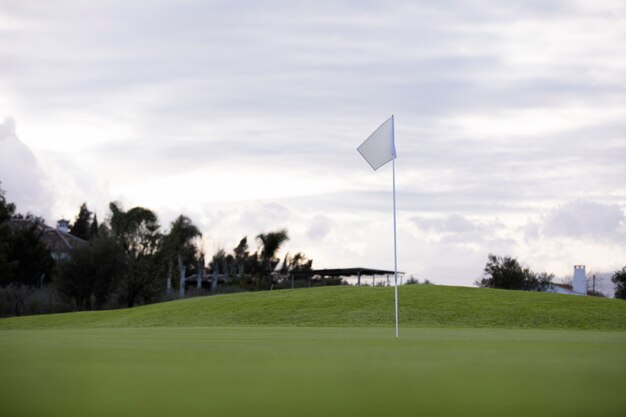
pixel 378 149
pixel 395 244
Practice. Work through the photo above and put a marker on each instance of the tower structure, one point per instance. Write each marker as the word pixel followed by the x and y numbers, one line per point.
pixel 579 282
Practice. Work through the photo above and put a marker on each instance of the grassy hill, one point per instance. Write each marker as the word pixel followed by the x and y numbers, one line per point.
pixel 420 306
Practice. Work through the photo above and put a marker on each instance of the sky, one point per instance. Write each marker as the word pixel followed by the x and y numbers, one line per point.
pixel 245 116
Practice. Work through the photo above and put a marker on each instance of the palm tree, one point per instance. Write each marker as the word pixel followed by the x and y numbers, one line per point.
pixel 177 242
pixel 270 243
pixel 294 266
pixel 241 254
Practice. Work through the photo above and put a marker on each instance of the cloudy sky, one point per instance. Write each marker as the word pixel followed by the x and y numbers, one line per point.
pixel 245 116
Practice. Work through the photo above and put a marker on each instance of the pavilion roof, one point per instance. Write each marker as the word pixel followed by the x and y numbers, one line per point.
pixel 349 272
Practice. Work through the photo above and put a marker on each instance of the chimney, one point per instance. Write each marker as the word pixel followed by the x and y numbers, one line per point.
pixel 63 226
pixel 579 283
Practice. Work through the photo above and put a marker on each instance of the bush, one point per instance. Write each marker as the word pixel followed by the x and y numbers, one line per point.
pixel 507 273
pixel 18 300
pixel 619 278
pixel 92 274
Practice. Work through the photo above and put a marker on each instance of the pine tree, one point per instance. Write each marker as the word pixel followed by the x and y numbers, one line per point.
pixel 93 229
pixel 81 227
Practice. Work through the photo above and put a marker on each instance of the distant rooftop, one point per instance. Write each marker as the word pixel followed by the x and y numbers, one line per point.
pixel 351 272
pixel 57 240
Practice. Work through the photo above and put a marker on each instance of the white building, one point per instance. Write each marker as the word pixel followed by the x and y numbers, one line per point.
pixel 579 283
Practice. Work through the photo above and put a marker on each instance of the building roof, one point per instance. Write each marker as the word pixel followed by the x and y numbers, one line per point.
pixel 561 288
pixel 57 241
pixel 351 272
pixel 564 286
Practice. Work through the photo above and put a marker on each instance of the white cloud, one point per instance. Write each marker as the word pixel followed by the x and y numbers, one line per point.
pixel 47 184
pixel 21 176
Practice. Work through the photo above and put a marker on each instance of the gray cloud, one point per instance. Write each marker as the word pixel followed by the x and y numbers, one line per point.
pixel 451 224
pixel 584 219
pixel 274 57
pixel 455 229
pixel 319 227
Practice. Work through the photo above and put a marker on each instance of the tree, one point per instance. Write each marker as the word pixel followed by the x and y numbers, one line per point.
pixel 296 266
pixel 6 212
pixel 619 278
pixel 82 225
pixel 137 232
pixel 24 258
pixel 241 255
pixel 26 252
pixel 178 244
pixel 93 228
pixel 507 273
pixel 270 243
pixel 6 209
pixel 219 264
pixel 134 229
pixel 93 272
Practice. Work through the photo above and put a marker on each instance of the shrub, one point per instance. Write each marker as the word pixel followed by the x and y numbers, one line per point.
pixel 619 278
pixel 18 300
pixel 507 273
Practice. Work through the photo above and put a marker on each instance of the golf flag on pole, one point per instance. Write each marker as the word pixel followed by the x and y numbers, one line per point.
pixel 377 150
pixel 380 147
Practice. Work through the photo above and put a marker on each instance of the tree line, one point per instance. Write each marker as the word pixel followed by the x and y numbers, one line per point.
pixel 130 259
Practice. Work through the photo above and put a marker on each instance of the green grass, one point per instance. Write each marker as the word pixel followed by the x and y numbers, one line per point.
pixel 311 372
pixel 420 306
pixel 323 352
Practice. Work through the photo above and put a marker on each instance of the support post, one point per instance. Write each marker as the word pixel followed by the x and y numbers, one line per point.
pixel 181 277
pixel 200 273
pixel 214 280
pixel 395 248
pixel 170 269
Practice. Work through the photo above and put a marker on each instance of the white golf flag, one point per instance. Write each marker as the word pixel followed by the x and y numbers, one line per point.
pixel 380 147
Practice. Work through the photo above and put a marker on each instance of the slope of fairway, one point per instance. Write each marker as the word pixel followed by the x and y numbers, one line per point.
pixel 345 306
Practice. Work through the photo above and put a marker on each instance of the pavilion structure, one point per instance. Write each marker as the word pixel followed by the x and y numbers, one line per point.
pixel 353 272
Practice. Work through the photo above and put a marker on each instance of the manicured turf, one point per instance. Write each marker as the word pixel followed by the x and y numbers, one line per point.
pixel 323 352
pixel 311 372
pixel 420 306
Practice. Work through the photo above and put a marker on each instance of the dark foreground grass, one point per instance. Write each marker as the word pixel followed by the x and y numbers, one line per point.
pixel 264 371
pixel 420 306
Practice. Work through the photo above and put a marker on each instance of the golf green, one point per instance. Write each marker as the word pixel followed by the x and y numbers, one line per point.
pixel 302 371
